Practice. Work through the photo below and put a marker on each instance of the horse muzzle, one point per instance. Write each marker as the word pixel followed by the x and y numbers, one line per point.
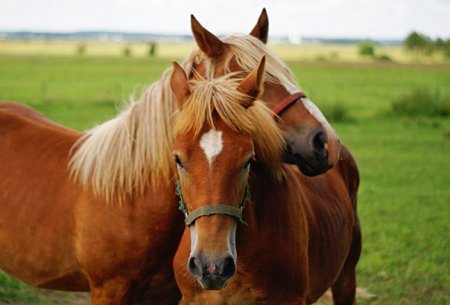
pixel 309 153
pixel 212 274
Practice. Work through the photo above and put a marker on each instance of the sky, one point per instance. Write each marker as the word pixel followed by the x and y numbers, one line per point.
pixel 375 19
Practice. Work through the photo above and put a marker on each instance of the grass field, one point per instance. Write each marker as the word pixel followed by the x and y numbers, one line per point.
pixel 171 50
pixel 404 199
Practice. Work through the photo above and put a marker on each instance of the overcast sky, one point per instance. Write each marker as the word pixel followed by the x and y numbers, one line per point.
pixel 324 18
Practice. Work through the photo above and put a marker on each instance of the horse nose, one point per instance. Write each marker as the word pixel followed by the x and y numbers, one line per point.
pixel 228 267
pixel 195 267
pixel 212 273
pixel 223 267
pixel 319 139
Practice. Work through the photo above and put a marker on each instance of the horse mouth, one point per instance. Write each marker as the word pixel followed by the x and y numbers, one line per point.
pixel 212 283
pixel 305 166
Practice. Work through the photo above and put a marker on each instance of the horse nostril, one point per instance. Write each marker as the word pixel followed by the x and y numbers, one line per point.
pixel 195 267
pixel 229 267
pixel 319 140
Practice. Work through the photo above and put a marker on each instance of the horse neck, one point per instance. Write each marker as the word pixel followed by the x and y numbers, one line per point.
pixel 276 202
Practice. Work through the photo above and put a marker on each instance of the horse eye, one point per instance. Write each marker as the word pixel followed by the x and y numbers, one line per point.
pixel 247 164
pixel 178 161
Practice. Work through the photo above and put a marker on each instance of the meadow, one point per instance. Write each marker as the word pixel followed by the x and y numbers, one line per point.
pixel 403 157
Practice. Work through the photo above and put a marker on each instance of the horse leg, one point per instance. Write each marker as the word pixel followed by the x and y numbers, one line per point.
pixel 113 292
pixel 344 288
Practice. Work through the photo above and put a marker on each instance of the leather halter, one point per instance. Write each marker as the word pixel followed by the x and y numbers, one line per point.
pixel 287 102
pixel 212 209
pixel 224 209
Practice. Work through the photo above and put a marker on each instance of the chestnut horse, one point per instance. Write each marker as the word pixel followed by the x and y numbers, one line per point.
pixel 96 211
pixel 295 237
pixel 311 142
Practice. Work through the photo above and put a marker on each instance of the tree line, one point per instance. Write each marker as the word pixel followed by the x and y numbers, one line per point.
pixel 420 43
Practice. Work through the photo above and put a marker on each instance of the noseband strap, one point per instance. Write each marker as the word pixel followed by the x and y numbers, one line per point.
pixel 287 102
pixel 212 209
pixel 216 209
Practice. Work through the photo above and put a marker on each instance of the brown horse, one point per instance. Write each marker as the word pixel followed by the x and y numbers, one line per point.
pixel 311 142
pixel 97 210
pixel 294 239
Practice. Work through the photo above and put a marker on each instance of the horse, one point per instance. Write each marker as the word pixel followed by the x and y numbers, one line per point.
pixel 311 143
pixel 257 230
pixel 96 211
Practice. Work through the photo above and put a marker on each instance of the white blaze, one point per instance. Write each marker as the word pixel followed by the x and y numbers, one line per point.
pixel 312 108
pixel 211 143
pixel 315 112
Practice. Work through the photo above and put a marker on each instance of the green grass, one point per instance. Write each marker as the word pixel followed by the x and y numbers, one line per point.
pixel 11 289
pixel 422 102
pixel 404 196
pixel 94 87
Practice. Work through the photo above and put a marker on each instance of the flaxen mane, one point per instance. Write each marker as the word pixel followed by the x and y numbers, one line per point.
pixel 125 155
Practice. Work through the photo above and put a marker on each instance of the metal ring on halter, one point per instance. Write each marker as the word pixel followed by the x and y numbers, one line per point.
pixel 212 209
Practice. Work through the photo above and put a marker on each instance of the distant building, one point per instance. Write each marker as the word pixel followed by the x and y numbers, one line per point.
pixel 294 38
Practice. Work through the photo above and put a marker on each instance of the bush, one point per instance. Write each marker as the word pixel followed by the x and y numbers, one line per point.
pixel 383 57
pixel 337 113
pixel 81 49
pixel 421 102
pixel 127 51
pixel 152 49
pixel 366 49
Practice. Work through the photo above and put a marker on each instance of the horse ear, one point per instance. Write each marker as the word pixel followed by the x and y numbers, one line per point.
pixel 252 84
pixel 261 29
pixel 212 46
pixel 179 84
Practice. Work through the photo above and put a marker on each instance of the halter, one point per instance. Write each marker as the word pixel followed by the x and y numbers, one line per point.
pixel 212 209
pixel 287 102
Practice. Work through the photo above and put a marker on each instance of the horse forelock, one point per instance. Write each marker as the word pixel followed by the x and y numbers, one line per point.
pixel 219 96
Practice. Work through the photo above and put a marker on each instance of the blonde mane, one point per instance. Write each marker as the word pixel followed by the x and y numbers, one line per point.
pixel 220 96
pixel 123 156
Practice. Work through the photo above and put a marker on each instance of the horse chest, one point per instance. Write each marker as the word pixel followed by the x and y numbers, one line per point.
pixel 237 292
pixel 248 289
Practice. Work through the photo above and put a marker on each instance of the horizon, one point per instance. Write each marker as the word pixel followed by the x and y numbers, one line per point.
pixel 189 35
pixel 329 19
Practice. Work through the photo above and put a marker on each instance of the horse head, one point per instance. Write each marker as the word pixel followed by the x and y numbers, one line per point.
pixel 311 142
pixel 220 128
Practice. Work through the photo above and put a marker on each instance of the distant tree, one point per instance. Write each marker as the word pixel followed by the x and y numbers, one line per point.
pixel 127 51
pixel 447 48
pixel 417 42
pixel 81 49
pixel 439 44
pixel 442 46
pixel 366 49
pixel 152 49
pixel 423 44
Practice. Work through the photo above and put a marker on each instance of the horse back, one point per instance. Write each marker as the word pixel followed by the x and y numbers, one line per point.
pixel 35 191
